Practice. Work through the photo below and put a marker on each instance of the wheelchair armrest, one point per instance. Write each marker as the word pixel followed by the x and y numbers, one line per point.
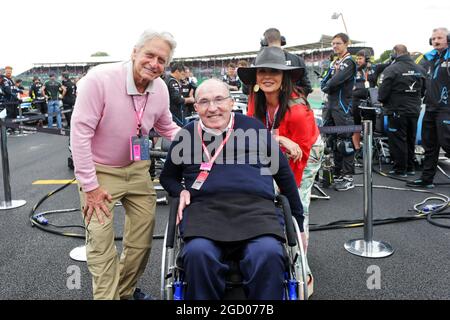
pixel 172 222
pixel 290 231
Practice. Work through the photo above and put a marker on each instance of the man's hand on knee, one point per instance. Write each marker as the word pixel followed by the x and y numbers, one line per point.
pixel 95 202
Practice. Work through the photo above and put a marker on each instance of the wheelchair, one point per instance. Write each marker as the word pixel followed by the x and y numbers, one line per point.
pixel 295 283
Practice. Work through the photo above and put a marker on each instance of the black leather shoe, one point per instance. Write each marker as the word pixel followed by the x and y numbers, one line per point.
pixel 139 295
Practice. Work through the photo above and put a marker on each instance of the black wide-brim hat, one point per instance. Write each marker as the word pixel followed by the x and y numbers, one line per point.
pixel 269 57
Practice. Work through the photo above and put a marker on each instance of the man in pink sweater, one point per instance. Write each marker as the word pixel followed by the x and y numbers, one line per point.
pixel 117 105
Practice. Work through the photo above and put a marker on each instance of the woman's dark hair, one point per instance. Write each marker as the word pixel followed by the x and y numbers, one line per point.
pixel 285 95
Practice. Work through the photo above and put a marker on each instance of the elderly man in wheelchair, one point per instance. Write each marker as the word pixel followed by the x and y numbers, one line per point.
pixel 222 169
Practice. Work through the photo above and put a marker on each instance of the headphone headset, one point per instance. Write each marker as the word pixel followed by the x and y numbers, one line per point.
pixel 264 43
pixel 448 40
pixel 365 54
pixel 393 55
pixel 366 57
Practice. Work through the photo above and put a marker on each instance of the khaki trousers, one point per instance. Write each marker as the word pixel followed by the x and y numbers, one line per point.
pixel 114 278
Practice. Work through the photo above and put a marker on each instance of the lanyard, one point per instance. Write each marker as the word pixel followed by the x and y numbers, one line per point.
pixel 210 162
pixel 270 124
pixel 366 75
pixel 139 115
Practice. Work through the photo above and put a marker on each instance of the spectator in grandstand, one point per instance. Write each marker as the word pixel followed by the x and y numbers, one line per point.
pixel 436 121
pixel 231 78
pixel 273 38
pixel 287 114
pixel 177 101
pixel 338 85
pixel 52 90
pixel 69 97
pixel 117 105
pixel 401 88
pixel 233 210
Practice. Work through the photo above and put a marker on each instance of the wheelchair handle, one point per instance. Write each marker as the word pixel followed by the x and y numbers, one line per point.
pixel 172 222
pixel 290 231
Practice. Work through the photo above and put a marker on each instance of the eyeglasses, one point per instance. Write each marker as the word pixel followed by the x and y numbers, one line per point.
pixel 337 43
pixel 218 102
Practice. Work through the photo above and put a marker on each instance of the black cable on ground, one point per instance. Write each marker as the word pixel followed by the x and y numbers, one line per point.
pixel 39 221
pixel 429 212
pixel 434 215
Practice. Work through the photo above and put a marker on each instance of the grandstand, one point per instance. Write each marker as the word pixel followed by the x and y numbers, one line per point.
pixel 74 69
pixel 316 56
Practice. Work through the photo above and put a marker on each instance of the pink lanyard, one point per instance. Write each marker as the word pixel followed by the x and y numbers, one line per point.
pixel 210 163
pixel 139 115
pixel 270 124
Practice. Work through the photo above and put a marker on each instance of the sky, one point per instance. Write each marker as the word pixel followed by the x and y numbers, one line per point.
pixel 64 31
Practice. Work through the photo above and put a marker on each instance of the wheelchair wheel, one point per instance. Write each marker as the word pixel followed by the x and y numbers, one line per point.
pixel 167 270
pixel 172 284
pixel 296 285
pixel 297 259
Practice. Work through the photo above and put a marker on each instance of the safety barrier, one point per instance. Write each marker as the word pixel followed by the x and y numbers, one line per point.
pixel 8 203
pixel 340 129
pixel 368 247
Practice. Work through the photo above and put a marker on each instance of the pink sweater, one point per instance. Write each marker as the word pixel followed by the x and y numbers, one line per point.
pixel 104 120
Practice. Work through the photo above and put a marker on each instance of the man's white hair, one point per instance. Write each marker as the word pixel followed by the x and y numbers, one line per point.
pixel 150 34
pixel 441 29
